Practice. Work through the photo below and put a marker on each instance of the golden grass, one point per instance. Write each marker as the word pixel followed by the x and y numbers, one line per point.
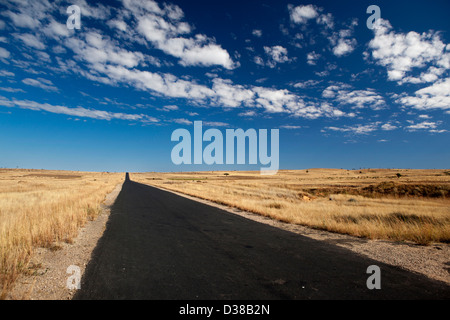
pixel 373 203
pixel 41 208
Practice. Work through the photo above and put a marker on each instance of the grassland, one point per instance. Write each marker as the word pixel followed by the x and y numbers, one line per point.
pixel 400 205
pixel 43 208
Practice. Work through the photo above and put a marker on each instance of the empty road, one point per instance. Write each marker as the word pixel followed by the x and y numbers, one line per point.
pixel 158 245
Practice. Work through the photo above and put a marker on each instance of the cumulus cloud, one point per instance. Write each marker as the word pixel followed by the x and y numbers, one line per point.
pixel 164 29
pixel 96 48
pixel 312 57
pixel 344 94
pixel 435 96
pixel 344 47
pixel 426 125
pixel 402 53
pixel 302 13
pixel 342 41
pixel 110 59
pixel 276 54
pixel 388 127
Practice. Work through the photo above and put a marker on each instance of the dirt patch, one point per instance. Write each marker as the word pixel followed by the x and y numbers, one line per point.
pixel 47 275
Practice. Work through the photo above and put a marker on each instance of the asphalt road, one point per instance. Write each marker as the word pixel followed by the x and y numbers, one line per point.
pixel 161 246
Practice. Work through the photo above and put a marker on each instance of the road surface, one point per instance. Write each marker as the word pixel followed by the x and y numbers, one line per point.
pixel 160 246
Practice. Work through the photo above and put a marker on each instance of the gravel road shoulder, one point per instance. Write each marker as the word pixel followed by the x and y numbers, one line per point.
pixel 48 267
pixel 47 276
pixel 432 261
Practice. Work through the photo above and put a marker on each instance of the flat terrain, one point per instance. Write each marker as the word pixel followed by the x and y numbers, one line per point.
pixel 158 245
pixel 41 208
pixel 390 204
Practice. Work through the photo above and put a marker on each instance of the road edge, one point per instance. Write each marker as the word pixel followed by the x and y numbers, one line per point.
pixel 431 261
pixel 47 278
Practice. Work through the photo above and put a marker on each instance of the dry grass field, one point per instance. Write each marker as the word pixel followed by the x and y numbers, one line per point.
pixel 400 205
pixel 41 208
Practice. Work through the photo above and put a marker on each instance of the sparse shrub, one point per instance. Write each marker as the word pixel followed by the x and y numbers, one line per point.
pixel 275 205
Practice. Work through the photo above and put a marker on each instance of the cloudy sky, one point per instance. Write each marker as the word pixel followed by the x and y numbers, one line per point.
pixel 107 96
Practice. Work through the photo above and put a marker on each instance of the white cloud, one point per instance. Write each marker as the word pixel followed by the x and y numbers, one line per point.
pixel 357 129
pixel 342 42
pixel 95 48
pixel 99 12
pixel 301 14
pixel 30 40
pixel 4 73
pixel 290 127
pixel 402 53
pixel 248 113
pixel 345 95
pixel 22 20
pixel 258 60
pixel 306 84
pixel 312 57
pixel 426 125
pixel 436 96
pixel 215 124
pixel 118 24
pixel 276 54
pixel 257 33
pixel 344 47
pixel 78 111
pixel 108 60
pixel 56 30
pixel 170 108
pixel 388 127
pixel 9 89
pixel 40 83
pixel 159 27
pixel 4 53
pixel 182 121
pixel 326 19
pixel 228 94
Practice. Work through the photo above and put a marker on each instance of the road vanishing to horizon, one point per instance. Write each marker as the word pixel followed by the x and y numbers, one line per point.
pixel 162 246
pixel 325 114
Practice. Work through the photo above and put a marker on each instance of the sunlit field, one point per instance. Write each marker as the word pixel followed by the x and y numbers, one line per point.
pixel 400 205
pixel 44 208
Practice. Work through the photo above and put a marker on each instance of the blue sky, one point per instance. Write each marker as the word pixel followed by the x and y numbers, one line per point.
pixel 108 96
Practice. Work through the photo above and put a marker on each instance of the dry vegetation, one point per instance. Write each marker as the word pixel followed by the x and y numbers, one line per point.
pixel 41 208
pixel 44 208
pixel 401 205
